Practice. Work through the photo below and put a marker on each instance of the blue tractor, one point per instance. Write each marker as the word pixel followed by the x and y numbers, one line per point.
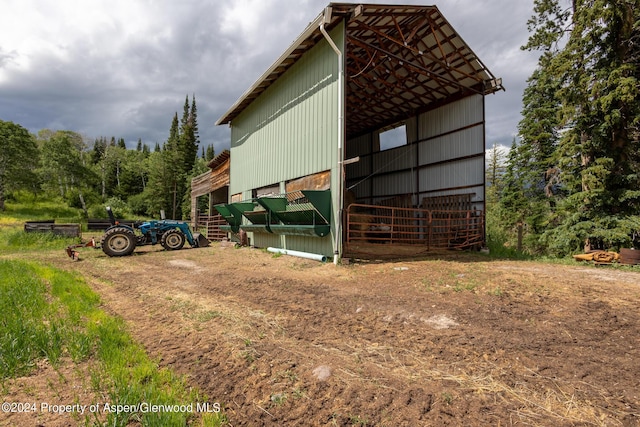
pixel 121 240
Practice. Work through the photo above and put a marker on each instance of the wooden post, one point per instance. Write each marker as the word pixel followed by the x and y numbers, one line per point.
pixel 519 247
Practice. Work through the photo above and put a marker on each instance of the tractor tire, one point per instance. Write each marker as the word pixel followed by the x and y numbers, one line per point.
pixel 173 240
pixel 118 241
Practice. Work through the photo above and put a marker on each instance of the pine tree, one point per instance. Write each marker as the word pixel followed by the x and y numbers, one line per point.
pixel 589 73
pixel 211 153
pixel 194 120
pixel 495 173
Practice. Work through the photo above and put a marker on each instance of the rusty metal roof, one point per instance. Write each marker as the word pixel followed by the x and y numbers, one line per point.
pixel 400 61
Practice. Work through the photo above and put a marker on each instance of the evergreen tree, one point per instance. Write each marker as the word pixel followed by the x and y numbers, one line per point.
pixel 159 192
pixel 188 145
pixel 513 200
pixel 99 149
pixel 139 146
pixel 194 120
pixel 495 173
pixel 589 75
pixel 211 153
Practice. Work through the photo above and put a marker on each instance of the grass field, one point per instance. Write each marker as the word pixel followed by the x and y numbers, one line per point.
pixel 53 317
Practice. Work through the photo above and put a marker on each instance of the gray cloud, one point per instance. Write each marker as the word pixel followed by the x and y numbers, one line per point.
pixel 122 69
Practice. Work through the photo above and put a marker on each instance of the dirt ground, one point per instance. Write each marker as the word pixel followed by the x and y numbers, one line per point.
pixel 452 339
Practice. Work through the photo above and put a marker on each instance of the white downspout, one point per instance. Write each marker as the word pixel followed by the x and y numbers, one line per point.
pixel 338 214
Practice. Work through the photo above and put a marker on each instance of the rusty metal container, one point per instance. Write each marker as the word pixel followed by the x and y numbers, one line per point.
pixel 629 256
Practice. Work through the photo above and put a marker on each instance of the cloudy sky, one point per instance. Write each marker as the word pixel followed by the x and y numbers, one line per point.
pixel 123 67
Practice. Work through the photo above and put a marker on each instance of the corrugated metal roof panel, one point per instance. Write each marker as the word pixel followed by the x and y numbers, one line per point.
pixel 399 59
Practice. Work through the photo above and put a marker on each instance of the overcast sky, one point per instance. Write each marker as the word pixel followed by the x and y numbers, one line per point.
pixel 123 67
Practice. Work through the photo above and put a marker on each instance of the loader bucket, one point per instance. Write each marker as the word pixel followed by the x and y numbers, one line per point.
pixel 203 242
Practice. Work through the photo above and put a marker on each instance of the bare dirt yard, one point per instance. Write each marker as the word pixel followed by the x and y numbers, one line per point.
pixel 451 339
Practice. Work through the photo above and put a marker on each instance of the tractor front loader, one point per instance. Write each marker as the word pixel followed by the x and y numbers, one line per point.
pixel 121 240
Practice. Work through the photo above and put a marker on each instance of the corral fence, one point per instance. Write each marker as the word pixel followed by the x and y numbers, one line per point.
pixel 430 229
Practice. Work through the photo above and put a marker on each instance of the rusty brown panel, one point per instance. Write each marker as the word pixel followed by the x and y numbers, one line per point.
pixel 316 181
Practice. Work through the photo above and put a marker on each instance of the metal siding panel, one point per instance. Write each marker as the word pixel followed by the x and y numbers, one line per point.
pixel 265 240
pixel 466 142
pixel 314 245
pixel 358 146
pixel 362 190
pixel 477 200
pixel 411 126
pixel 388 185
pixel 290 130
pixel 394 159
pixel 455 174
pixel 450 117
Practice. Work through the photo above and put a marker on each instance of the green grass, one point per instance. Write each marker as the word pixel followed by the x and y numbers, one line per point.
pixel 15 239
pixel 29 208
pixel 34 325
pixel 12 235
pixel 52 314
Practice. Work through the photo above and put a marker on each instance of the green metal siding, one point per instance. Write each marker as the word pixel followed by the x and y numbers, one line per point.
pixel 290 131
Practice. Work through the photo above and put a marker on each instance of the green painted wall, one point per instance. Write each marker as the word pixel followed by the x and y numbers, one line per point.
pixel 289 132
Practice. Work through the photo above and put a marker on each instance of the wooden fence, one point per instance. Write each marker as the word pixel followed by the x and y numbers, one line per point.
pixel 209 226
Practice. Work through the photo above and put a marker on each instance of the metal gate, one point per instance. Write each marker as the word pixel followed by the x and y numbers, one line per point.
pixel 427 229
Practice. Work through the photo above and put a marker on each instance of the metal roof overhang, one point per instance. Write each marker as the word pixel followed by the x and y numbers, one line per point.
pixel 400 61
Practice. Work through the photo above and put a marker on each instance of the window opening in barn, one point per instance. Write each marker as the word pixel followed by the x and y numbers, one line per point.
pixel 393 138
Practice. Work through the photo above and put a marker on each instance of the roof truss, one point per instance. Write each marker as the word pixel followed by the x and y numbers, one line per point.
pixel 399 61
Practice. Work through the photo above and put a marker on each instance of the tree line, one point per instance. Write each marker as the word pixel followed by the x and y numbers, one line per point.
pixel 572 179
pixel 90 175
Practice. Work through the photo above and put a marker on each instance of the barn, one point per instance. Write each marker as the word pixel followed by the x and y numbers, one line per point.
pixel 366 136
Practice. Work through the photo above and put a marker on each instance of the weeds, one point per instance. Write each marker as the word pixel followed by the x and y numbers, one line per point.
pixel 357 420
pixel 447 397
pixel 279 398
pixel 50 314
pixel 14 239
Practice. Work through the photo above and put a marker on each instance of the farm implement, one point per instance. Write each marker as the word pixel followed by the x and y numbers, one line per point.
pixel 121 240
